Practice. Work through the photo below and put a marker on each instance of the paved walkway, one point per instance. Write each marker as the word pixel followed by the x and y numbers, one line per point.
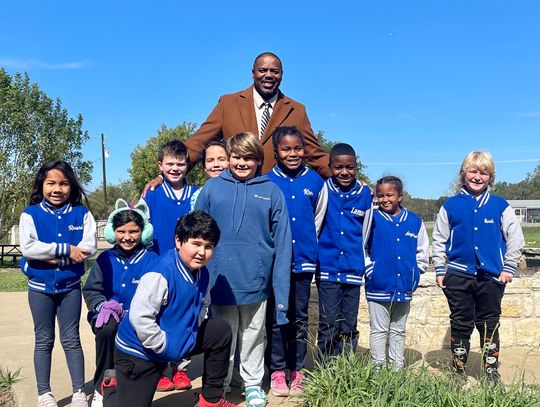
pixel 17 342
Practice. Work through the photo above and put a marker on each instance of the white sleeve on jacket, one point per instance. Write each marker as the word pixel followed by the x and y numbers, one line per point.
pixel 31 247
pixel 441 233
pixel 150 296
pixel 513 235
pixel 366 233
pixel 89 239
pixel 320 208
pixel 422 248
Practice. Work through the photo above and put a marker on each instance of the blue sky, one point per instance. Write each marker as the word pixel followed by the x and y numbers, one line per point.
pixel 412 85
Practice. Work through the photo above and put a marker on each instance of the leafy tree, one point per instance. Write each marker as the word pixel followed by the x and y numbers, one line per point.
pixel 124 190
pixel 327 146
pixel 144 159
pixel 425 208
pixel 529 188
pixel 33 130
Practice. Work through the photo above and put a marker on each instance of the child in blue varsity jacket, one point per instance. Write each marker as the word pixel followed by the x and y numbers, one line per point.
pixel 167 203
pixel 253 255
pixel 113 280
pixel 341 260
pixel 306 196
pixel 477 242
pixel 170 200
pixel 56 234
pixel 397 252
pixel 166 321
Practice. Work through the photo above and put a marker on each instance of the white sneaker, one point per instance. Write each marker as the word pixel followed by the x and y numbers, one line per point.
pixel 97 400
pixel 79 399
pixel 46 400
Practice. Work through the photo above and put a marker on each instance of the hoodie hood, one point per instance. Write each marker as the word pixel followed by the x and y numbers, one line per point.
pixel 239 197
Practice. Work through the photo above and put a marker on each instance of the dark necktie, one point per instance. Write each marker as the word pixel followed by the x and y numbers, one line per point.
pixel 265 118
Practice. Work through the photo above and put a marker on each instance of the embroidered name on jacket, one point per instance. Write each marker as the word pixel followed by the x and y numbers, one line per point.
pixel 308 192
pixel 486 220
pixel 72 227
pixel 410 234
pixel 357 212
pixel 265 198
pixel 134 281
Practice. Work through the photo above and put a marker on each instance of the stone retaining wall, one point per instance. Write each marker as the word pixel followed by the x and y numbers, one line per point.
pixel 428 326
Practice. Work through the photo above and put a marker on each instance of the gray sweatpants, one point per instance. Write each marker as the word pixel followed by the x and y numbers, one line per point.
pixel 387 321
pixel 248 328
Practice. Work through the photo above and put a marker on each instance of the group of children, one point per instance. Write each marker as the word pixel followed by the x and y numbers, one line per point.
pixel 217 269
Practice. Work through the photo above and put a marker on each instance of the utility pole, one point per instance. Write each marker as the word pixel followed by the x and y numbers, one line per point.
pixel 103 166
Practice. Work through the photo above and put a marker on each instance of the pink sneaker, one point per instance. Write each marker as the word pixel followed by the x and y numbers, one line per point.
pixel 297 383
pixel 278 384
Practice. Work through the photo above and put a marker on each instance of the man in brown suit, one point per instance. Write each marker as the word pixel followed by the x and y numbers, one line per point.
pixel 243 111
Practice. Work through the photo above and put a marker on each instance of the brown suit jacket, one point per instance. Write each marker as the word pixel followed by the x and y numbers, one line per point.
pixel 235 113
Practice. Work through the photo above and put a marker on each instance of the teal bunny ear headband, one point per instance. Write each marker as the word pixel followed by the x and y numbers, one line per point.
pixel 142 209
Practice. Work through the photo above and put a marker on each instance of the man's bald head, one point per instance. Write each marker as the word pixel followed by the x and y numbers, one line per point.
pixel 264 54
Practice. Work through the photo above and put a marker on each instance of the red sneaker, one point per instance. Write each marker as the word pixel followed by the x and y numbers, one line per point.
pixel 181 380
pixel 201 402
pixel 165 384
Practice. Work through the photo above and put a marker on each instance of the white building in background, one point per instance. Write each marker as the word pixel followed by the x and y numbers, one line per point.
pixel 527 210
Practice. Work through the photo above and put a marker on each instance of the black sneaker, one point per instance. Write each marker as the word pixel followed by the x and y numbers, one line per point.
pixel 493 376
pixel 459 377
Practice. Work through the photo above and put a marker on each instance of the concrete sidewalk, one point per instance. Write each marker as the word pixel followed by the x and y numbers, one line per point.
pixel 17 347
pixel 17 343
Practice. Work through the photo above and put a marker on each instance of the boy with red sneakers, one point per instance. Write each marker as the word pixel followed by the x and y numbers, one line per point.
pixel 166 320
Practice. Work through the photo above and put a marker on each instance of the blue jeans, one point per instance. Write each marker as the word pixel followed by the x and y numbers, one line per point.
pixel 338 314
pixel 67 308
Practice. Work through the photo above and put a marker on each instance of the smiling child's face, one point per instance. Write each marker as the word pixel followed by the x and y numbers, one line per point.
pixel 215 161
pixel 343 169
pixel 476 180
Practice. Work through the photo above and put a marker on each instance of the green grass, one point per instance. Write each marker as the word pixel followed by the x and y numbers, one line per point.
pixel 12 280
pixel 532 235
pixel 350 381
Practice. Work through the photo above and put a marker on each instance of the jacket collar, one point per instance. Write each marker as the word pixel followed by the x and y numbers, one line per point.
pixel 279 172
pixel 190 277
pixel 355 190
pixel 400 217
pixel 169 191
pixel 135 257
pixel 47 207
pixel 481 201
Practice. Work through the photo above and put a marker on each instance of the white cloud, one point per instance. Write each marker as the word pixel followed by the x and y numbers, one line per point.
pixel 29 63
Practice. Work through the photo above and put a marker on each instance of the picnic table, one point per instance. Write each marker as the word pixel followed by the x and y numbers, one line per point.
pixel 10 251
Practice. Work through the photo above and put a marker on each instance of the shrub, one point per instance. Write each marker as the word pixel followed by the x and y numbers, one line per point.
pixel 7 380
pixel 351 381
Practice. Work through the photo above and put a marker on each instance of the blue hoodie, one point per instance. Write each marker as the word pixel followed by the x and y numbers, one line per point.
pixel 254 250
